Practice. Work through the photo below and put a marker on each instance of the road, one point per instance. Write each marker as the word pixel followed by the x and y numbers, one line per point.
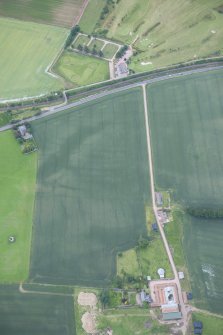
pixel 152 186
pixel 90 98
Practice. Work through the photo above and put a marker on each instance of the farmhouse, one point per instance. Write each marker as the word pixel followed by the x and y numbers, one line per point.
pixel 24 133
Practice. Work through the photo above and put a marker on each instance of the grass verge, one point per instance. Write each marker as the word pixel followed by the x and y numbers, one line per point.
pixel 17 192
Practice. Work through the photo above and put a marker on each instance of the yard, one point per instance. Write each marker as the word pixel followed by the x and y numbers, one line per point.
pixel 81 69
pixel 92 189
pixel 56 12
pixel 190 110
pixel 22 70
pixel 17 191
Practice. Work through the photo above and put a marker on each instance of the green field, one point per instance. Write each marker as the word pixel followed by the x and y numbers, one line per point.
pixel 56 12
pixel 211 324
pixel 26 51
pixel 93 185
pixel 17 190
pixel 26 314
pixel 164 32
pixel 97 44
pixel 187 135
pixel 81 69
pixel 91 16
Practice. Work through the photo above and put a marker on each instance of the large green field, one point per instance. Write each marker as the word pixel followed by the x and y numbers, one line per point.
pixel 187 133
pixel 81 69
pixel 26 51
pixel 162 32
pixel 26 314
pixel 56 12
pixel 17 191
pixel 93 185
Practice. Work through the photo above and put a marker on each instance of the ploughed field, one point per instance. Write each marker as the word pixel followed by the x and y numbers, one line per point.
pixel 186 119
pixel 92 188
pixel 56 12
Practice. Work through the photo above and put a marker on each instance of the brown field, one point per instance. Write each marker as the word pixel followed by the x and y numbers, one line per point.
pixel 63 13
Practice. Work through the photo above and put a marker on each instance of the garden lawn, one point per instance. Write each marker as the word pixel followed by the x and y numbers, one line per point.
pixel 36 314
pixel 17 191
pixel 131 322
pixel 110 50
pixel 81 69
pixel 55 12
pixel 93 186
pixel 26 51
pixel 186 121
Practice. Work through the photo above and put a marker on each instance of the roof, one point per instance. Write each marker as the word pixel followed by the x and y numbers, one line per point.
pixel 189 296
pixel 181 275
pixel 198 324
pixel 170 308
pixel 122 67
pixel 198 331
pixel 154 226
pixel 159 198
pixel 161 271
pixel 172 316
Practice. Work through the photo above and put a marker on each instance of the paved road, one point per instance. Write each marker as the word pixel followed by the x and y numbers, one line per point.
pixel 149 149
pixel 90 98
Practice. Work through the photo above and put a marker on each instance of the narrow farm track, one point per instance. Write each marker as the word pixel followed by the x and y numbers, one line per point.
pixel 203 311
pixel 152 185
pixel 22 290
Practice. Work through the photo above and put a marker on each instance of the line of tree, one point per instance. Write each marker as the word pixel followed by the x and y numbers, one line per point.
pixel 206 213
pixel 73 33
pixel 86 49
pixel 122 51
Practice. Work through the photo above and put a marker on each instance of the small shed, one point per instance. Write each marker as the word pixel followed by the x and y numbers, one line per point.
pixel 181 275
pixel 148 278
pixel 198 324
pixel 189 296
pixel 197 331
pixel 155 227
pixel 161 273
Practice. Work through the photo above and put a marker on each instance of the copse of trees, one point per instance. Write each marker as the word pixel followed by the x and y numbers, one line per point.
pixel 206 213
pixel 73 33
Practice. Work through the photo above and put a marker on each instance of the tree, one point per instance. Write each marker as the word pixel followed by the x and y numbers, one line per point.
pixel 100 54
pixel 80 47
pixel 104 297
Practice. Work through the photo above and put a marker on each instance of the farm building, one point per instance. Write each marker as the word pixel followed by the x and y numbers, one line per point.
pixel 163 217
pixel 172 316
pixel 24 133
pixel 159 199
